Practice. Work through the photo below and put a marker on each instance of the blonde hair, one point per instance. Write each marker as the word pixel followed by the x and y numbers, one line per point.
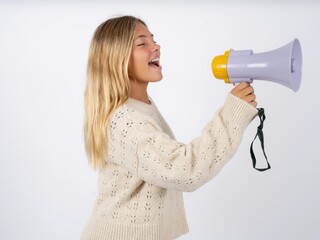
pixel 108 82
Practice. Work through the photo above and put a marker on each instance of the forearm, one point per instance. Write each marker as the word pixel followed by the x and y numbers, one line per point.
pixel 186 167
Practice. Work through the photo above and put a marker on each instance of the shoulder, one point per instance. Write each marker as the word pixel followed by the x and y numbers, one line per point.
pixel 134 115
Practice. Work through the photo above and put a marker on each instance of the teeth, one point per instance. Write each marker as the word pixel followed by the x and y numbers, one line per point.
pixel 155 60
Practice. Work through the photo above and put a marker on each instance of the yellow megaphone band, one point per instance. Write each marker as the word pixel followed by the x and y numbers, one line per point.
pixel 219 66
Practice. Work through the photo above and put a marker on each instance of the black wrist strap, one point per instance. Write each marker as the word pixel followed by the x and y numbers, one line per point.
pixel 260 136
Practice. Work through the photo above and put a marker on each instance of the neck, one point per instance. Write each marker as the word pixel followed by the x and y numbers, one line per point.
pixel 139 91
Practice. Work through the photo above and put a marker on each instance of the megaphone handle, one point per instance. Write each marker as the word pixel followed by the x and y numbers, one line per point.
pixel 261 138
pixel 240 80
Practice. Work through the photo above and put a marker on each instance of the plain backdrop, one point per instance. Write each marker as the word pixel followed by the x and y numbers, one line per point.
pixel 47 188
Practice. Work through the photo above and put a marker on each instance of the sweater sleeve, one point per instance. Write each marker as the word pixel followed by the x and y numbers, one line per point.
pixel 160 160
pixel 164 162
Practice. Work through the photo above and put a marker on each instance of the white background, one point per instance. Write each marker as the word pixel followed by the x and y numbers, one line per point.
pixel 47 188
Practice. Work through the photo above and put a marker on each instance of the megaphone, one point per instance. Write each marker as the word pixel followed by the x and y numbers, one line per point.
pixel 282 66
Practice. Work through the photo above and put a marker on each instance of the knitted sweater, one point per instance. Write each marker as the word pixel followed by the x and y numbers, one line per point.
pixel 146 170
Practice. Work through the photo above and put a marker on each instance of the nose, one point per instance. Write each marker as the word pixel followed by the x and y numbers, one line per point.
pixel 155 47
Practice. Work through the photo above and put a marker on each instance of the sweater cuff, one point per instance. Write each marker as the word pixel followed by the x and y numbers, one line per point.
pixel 238 111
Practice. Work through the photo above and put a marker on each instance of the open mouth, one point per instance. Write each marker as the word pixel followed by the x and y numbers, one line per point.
pixel 155 62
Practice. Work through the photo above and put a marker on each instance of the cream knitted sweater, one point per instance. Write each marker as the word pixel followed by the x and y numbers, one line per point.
pixel 146 170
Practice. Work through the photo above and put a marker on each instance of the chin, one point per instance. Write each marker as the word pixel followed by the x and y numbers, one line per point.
pixel 158 79
pixel 150 77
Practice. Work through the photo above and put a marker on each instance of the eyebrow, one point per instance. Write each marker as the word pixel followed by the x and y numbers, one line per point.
pixel 143 36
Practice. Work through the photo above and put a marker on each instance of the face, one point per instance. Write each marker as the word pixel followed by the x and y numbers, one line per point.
pixel 144 65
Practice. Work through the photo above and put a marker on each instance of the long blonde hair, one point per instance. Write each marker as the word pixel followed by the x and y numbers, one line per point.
pixel 108 82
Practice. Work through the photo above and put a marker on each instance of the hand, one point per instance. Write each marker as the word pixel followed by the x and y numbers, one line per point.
pixel 245 92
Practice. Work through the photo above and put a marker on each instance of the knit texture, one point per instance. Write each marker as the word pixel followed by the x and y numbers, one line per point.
pixel 146 170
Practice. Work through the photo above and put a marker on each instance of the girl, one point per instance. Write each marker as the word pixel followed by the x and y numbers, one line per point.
pixel 143 170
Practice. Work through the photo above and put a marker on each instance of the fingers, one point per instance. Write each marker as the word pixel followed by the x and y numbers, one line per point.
pixel 242 85
pixel 251 99
pixel 242 90
pixel 246 92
